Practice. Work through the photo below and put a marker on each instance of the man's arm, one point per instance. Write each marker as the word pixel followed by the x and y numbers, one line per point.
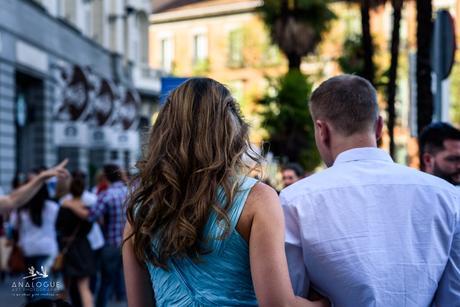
pixel 99 208
pixel 23 194
pixel 448 293
pixel 293 248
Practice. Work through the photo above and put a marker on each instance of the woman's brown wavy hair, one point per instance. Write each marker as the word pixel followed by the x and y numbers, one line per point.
pixel 198 143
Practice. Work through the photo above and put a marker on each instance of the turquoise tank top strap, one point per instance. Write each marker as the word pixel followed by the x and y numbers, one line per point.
pixel 215 229
pixel 245 186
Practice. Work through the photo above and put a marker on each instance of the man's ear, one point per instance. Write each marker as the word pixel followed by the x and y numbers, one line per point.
pixel 324 132
pixel 379 127
pixel 428 161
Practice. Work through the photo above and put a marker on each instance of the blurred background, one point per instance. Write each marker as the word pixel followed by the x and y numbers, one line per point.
pixel 85 79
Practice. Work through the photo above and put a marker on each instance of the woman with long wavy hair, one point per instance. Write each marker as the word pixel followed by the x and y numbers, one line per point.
pixel 200 232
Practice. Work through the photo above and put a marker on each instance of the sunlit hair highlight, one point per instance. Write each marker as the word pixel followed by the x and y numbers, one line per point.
pixel 198 143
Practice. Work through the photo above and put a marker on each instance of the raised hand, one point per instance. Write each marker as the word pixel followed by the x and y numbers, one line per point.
pixel 59 170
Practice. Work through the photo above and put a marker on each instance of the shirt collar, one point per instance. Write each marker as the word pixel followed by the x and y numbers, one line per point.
pixel 365 153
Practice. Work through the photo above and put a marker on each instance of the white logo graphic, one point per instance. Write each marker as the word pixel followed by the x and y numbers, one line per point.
pixel 36 274
pixel 37 283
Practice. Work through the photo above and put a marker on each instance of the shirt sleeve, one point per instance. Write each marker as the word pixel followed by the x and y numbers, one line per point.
pixel 293 246
pixel 89 199
pixel 448 293
pixel 99 208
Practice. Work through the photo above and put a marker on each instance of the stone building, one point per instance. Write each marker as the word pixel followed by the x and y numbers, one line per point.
pixel 74 83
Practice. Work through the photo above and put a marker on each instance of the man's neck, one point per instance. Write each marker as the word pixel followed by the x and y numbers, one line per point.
pixel 354 141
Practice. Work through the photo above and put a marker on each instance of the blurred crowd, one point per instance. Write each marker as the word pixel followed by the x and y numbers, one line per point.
pixel 72 232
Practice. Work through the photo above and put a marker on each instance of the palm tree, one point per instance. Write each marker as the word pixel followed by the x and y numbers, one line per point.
pixel 367 43
pixel 296 26
pixel 424 95
pixel 369 68
pixel 393 72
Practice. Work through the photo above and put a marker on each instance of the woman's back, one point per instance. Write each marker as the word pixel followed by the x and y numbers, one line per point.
pixel 220 277
pixel 38 240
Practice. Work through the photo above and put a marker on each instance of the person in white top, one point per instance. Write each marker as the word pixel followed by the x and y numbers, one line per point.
pixel 37 234
pixel 367 231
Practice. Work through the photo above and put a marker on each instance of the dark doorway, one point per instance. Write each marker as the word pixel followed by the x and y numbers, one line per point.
pixel 29 109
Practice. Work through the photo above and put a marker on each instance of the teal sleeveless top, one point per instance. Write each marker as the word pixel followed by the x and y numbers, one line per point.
pixel 221 277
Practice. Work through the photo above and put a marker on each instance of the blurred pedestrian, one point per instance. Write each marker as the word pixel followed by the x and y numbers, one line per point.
pixel 37 235
pixel 79 263
pixel 291 173
pixel 439 145
pixel 95 236
pixel 101 183
pixel 110 207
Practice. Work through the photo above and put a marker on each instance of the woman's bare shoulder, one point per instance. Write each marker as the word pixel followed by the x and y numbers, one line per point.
pixel 261 196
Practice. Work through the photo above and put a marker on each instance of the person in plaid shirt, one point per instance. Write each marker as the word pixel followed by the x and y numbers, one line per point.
pixel 110 206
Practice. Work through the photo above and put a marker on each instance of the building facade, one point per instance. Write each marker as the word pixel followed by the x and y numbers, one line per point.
pixel 74 83
pixel 221 39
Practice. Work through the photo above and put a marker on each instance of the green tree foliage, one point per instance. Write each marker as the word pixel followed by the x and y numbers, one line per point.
pixel 455 95
pixel 352 59
pixel 296 26
pixel 288 122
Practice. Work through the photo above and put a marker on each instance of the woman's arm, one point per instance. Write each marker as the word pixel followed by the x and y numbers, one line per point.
pixel 138 289
pixel 77 207
pixel 266 250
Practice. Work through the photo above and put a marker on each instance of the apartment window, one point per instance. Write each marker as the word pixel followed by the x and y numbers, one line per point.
pixel 70 11
pixel 200 47
pixel 88 21
pixel 235 50
pixel 113 155
pixel 143 24
pixel 98 21
pixel 166 54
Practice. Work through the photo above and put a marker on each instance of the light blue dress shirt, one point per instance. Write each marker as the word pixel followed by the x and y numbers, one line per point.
pixel 370 232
